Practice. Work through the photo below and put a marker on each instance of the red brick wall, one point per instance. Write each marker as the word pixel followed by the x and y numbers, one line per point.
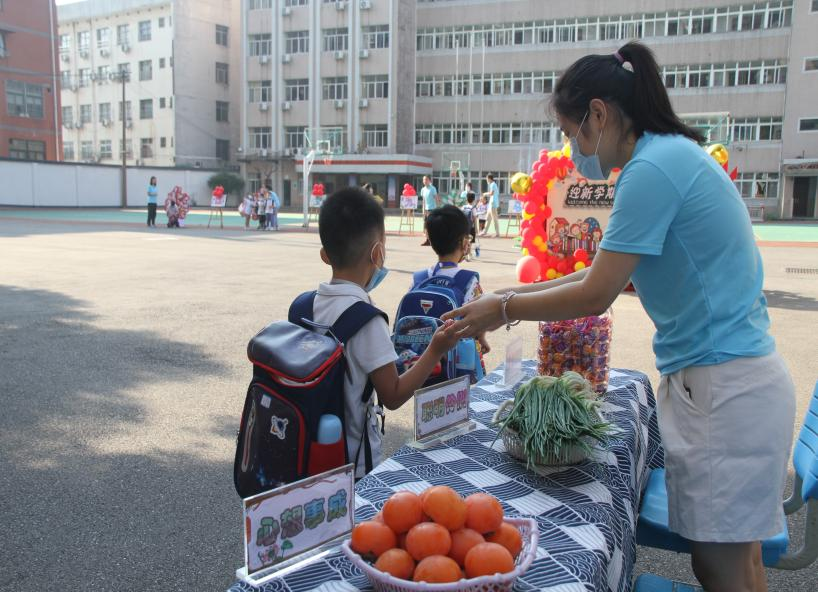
pixel 31 46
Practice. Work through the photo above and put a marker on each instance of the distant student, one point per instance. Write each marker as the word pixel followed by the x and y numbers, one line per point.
pixel 153 193
pixel 471 215
pixel 273 205
pixel 482 211
pixel 261 209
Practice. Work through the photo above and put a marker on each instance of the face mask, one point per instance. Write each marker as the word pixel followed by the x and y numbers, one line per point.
pixel 377 277
pixel 588 166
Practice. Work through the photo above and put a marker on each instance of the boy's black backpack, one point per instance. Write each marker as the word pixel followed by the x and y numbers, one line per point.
pixel 298 376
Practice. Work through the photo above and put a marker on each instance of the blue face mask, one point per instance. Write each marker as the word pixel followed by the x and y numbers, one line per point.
pixel 377 277
pixel 588 166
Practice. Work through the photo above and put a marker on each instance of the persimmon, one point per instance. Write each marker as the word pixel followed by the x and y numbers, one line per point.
pixel 396 562
pixel 437 569
pixel 483 513
pixel 372 539
pixel 445 506
pixel 487 559
pixel 508 536
pixel 402 511
pixel 462 542
pixel 427 539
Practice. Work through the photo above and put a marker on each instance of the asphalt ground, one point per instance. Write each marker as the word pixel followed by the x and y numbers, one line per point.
pixel 123 372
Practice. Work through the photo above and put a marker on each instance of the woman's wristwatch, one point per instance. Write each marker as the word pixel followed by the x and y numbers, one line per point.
pixel 503 303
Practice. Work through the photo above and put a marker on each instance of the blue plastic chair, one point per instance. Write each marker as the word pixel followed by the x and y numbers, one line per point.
pixel 652 527
pixel 652 583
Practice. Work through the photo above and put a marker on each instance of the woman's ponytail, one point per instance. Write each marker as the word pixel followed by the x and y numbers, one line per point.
pixel 629 78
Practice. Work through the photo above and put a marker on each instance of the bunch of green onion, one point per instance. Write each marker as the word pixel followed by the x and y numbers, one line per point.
pixel 553 415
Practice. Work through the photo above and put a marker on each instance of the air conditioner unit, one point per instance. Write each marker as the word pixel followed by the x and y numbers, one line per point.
pixel 125 47
pixel 68 124
pixel 363 54
pixel 363 103
pixel 366 4
pixel 263 59
pixel 340 55
pixel 289 152
pixel 286 58
pixel 340 104
pixel 263 106
pixel 341 5
pixel 106 122
pixel 286 11
pixel 129 124
pixel 104 53
pixel 65 57
pixel 79 125
pixel 84 54
pixel 93 76
pixel 286 106
pixel 74 86
pixel 263 153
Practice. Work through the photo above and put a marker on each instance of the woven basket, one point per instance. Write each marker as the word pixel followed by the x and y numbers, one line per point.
pixel 497 583
pixel 514 444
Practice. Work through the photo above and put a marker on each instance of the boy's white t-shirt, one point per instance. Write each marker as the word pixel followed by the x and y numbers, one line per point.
pixel 367 351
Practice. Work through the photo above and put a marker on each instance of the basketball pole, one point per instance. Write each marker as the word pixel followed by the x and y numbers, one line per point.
pixel 309 158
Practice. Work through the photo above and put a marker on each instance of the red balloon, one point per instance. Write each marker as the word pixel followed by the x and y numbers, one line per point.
pixel 525 224
pixel 562 266
pixel 528 269
pixel 581 255
pixel 547 212
pixel 530 208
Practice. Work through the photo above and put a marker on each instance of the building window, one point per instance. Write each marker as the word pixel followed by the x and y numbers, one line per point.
pixel 86 150
pixel 103 37
pixel 297 42
pixel 26 149
pixel 124 71
pixel 261 44
pixel 258 4
pixel 161 63
pixel 3 48
pixel 65 79
pixel 294 136
pixel 335 40
pixel 146 109
pixel 86 116
pixel 104 73
pixel 261 138
pixel 161 22
pixel 105 112
pixel 84 40
pixel 68 150
pixel 221 35
pixel 297 89
pixel 146 147
pixel 161 102
pixel 296 2
pixel 375 87
pixel 146 70
pixel 808 124
pixel 756 129
pixel 68 114
pixel 536 133
pixel 334 88
pixel 814 6
pixel 726 75
pixel 126 111
pixel 24 99
pixel 810 64
pixel 222 73
pixel 222 149
pixel 222 110
pixel 105 150
pixel 260 91
pixel 163 142
pixel 122 35
pixel 144 30
pixel 65 43
pixel 84 76
pixel 126 149
pixel 757 185
pixel 505 83
pixel 375 136
pixel 376 37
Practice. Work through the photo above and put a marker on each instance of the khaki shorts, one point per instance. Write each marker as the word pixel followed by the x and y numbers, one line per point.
pixel 727 432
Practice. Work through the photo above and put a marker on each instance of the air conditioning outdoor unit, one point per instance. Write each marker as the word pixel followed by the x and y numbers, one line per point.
pixel 339 104
pixel 129 124
pixel 363 103
pixel 125 47
pixel 263 107
pixel 74 86
pixel 289 152
pixel 84 54
pixel 106 122
pixel 263 153
pixel 286 11
pixel 263 59
pixel 104 53
pixel 363 54
pixel 65 57
pixel 93 76
pixel 286 58
pixel 79 125
pixel 286 106
pixel 341 5
pixel 340 55
pixel 366 4
pixel 68 124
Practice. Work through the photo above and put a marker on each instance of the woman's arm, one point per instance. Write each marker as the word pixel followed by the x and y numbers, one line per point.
pixel 577 276
pixel 597 290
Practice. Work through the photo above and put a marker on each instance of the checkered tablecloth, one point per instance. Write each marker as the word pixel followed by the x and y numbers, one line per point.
pixel 586 513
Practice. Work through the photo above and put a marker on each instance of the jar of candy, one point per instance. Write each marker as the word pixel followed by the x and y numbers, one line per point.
pixel 582 345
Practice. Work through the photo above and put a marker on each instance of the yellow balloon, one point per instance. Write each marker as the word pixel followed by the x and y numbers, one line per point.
pixel 579 265
pixel 525 252
pixel 537 241
pixel 719 152
pixel 566 149
pixel 527 216
pixel 559 274
pixel 551 273
pixel 542 248
pixel 521 183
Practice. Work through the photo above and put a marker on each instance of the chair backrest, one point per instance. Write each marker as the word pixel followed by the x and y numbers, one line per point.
pixel 805 457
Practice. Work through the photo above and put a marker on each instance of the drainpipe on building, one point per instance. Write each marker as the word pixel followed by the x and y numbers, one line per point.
pixel 54 86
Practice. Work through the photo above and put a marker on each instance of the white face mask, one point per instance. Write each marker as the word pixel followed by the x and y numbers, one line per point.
pixel 588 166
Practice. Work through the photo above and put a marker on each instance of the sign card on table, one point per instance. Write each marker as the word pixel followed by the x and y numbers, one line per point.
pixel 513 368
pixel 441 408
pixel 284 523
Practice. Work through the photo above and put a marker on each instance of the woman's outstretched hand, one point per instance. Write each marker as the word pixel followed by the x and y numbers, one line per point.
pixel 482 314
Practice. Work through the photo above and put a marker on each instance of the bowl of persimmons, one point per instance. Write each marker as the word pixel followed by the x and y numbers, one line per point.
pixel 439 541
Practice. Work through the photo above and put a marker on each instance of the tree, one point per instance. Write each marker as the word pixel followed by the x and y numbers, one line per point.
pixel 233 184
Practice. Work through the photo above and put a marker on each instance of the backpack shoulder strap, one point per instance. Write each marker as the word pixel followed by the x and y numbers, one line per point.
pixel 419 277
pixel 354 318
pixel 463 277
pixel 301 308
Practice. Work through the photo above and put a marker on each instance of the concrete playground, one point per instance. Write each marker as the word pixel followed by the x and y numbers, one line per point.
pixel 123 372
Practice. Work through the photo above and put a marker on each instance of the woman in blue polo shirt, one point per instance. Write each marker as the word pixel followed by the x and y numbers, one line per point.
pixel 681 233
pixel 152 194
